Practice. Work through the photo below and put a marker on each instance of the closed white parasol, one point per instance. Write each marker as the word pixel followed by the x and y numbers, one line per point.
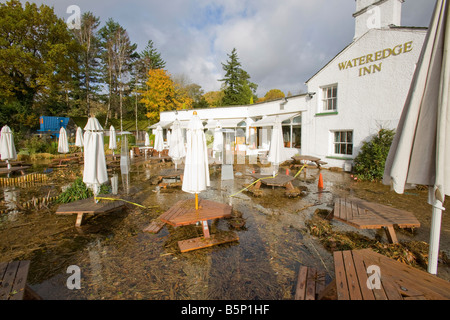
pixel 94 174
pixel 196 171
pixel 420 152
pixel 277 154
pixel 79 137
pixel 63 143
pixel 7 147
pixel 177 149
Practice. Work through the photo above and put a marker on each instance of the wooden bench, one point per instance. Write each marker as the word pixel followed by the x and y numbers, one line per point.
pixel 155 226
pixel 13 281
pixel 310 284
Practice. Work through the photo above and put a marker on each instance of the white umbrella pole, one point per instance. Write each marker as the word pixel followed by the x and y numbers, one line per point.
pixel 435 233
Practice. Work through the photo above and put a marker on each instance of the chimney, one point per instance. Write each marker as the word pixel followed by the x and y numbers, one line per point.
pixel 376 14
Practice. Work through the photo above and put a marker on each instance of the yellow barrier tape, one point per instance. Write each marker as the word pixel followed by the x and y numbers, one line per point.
pixel 300 171
pixel 114 199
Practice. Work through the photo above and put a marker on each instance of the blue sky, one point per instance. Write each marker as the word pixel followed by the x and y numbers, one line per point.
pixel 280 43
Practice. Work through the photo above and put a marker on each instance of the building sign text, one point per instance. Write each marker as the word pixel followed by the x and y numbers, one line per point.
pixel 373 60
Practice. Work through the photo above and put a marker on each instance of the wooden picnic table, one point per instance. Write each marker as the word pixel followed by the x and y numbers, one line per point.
pixel 13 281
pixel 356 280
pixel 183 213
pixel 304 159
pixel 89 207
pixel 280 180
pixel 369 215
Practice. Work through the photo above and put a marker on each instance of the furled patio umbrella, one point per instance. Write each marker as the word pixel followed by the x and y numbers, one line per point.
pixel 63 143
pixel 277 154
pixel 420 152
pixel 147 140
pixel 196 170
pixel 159 141
pixel 177 149
pixel 94 174
pixel 168 138
pixel 7 147
pixel 218 140
pixel 112 139
pixel 79 138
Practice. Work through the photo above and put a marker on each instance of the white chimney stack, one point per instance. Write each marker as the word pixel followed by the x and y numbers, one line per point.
pixel 376 14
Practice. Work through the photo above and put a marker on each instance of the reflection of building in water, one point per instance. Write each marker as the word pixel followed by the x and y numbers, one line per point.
pixel 362 89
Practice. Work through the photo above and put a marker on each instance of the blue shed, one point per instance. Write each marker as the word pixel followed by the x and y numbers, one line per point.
pixel 52 125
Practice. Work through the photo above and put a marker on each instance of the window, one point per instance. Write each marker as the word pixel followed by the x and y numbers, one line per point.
pixel 343 143
pixel 292 132
pixel 329 98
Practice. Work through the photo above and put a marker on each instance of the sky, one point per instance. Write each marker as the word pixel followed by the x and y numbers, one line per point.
pixel 281 44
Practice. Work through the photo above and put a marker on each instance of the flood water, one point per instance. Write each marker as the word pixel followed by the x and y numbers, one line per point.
pixel 119 261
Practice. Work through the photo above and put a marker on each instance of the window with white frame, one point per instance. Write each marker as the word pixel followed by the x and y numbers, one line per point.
pixel 329 98
pixel 343 143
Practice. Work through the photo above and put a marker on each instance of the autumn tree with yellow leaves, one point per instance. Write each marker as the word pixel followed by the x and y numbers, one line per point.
pixel 162 94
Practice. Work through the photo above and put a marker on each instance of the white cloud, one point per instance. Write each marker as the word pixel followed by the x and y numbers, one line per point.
pixel 280 43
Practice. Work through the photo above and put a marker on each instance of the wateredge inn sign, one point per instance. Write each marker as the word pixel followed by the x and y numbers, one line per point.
pixel 375 57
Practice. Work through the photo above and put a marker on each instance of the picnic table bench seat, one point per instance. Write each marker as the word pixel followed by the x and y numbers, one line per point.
pixel 367 275
pixel 310 284
pixel 13 281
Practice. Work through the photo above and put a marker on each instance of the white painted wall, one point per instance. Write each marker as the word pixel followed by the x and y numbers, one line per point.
pixel 365 102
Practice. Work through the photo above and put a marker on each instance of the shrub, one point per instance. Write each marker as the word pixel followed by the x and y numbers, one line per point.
pixel 369 164
pixel 37 144
pixel 77 191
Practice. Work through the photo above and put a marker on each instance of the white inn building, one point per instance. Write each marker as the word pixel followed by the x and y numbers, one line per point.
pixel 361 90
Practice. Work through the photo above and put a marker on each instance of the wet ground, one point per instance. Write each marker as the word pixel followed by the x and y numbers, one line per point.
pixel 119 261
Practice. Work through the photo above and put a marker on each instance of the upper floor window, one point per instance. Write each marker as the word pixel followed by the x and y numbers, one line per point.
pixel 329 98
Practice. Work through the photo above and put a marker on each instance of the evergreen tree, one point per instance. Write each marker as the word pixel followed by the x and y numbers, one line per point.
pixel 238 90
pixel 149 59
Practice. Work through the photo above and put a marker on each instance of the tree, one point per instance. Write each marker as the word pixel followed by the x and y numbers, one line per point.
pixel 273 94
pixel 89 57
pixel 193 90
pixel 37 58
pixel 214 98
pixel 118 57
pixel 125 55
pixel 108 62
pixel 162 95
pixel 149 59
pixel 238 90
